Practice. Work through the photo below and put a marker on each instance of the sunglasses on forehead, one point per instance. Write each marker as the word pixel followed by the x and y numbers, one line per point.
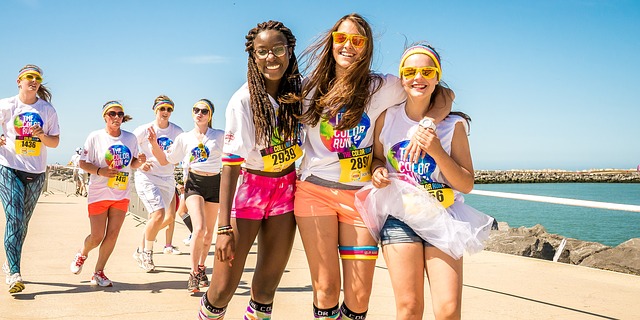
pixel 356 40
pixel 197 110
pixel 31 77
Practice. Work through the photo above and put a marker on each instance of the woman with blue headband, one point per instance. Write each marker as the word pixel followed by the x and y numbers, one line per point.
pixel 200 150
pixel 30 126
pixel 445 170
pixel 156 184
pixel 109 155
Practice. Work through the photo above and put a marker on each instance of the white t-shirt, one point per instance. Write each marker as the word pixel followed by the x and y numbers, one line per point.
pixel 205 158
pixel 395 137
pixel 75 162
pixel 166 137
pixel 240 137
pixel 345 156
pixel 103 150
pixel 22 151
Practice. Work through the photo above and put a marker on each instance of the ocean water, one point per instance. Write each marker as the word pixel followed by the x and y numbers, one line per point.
pixel 609 227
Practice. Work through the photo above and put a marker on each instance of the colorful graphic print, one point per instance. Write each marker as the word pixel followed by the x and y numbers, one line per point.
pixel 420 171
pixel 118 156
pixel 24 121
pixel 199 154
pixel 343 140
pixel 164 142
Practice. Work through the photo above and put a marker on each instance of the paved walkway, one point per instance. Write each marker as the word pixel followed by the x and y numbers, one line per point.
pixel 496 286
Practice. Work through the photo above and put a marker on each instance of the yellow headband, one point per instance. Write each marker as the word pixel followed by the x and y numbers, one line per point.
pixel 421 50
pixel 110 105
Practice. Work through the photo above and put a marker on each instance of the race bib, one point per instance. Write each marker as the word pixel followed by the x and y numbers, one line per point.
pixel 279 157
pixel 440 191
pixel 28 146
pixel 119 182
pixel 354 165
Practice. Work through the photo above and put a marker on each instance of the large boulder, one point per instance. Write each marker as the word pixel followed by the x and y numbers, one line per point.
pixel 535 242
pixel 623 258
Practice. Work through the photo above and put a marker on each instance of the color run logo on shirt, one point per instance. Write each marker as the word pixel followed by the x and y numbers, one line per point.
pixel 24 121
pixel 420 171
pixel 343 140
pixel 164 142
pixel 118 156
pixel 199 154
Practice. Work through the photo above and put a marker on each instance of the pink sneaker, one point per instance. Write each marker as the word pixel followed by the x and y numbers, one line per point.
pixel 100 279
pixel 77 263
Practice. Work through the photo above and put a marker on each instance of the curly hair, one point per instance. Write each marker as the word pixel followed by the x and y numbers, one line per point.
pixel 265 118
pixel 353 90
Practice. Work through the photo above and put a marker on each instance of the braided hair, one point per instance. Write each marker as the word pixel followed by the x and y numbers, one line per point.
pixel 265 118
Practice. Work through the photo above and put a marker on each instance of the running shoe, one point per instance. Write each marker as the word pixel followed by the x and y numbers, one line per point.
pixel 144 260
pixel 193 283
pixel 203 281
pixel 147 261
pixel 171 250
pixel 77 263
pixel 187 240
pixel 15 283
pixel 99 279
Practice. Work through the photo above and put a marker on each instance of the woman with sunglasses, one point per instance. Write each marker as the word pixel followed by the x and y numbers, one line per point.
pixel 109 155
pixel 261 146
pixel 343 99
pixel 30 126
pixel 450 173
pixel 200 151
pixel 155 183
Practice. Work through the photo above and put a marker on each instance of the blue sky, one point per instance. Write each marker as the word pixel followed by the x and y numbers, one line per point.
pixel 548 84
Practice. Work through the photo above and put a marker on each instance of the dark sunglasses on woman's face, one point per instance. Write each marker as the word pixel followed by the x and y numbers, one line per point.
pixel 203 111
pixel 113 114
pixel 163 109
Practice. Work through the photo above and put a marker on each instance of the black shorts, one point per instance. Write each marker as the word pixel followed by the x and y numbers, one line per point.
pixel 207 187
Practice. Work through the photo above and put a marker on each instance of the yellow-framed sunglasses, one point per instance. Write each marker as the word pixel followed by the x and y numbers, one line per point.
pixel 412 72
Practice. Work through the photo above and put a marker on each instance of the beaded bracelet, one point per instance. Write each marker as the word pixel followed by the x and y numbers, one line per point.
pixel 225 230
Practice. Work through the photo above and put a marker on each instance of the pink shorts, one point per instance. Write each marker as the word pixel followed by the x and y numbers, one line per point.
pixel 103 206
pixel 260 197
pixel 316 201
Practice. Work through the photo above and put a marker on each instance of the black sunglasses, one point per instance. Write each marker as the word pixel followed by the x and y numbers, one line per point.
pixel 203 111
pixel 113 114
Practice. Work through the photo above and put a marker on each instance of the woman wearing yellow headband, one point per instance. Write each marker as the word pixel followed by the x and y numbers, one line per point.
pixel 261 146
pixel 446 170
pixel 110 155
pixel 200 150
pixel 31 127
pixel 155 183
pixel 343 99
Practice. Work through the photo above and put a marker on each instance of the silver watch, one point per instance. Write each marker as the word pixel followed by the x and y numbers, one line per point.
pixel 427 123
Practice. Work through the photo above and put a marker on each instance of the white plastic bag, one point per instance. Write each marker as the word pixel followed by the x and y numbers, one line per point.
pixel 413 205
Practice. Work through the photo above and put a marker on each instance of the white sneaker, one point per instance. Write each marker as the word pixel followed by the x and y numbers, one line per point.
pixel 100 279
pixel 171 250
pixel 145 260
pixel 77 263
pixel 15 283
pixel 187 240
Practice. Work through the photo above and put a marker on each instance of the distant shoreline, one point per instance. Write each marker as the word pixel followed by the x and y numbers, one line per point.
pixel 557 176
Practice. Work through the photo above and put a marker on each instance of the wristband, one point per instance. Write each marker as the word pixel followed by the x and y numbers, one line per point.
pixel 98 171
pixel 376 168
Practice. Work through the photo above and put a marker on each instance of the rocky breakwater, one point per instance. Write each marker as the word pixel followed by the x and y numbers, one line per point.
pixel 547 176
pixel 535 242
